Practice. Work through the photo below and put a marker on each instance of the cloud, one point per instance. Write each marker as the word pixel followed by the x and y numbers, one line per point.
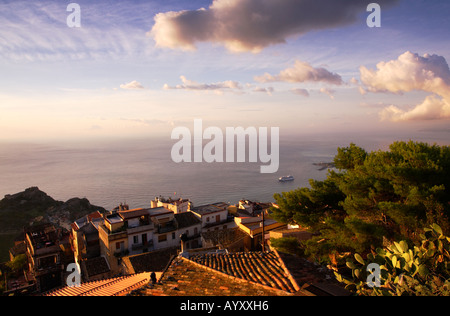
pixel 411 72
pixel 302 72
pixel 407 73
pixel 133 85
pixel 251 25
pixel 433 108
pixel 37 31
pixel 195 86
pixel 302 92
pixel 268 90
pixel 328 92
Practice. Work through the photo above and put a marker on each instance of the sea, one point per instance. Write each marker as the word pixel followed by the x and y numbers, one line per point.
pixel 135 171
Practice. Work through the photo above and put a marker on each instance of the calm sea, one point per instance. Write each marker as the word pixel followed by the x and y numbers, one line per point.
pixel 135 171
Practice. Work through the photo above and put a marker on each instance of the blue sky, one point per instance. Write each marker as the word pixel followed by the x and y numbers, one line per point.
pixel 139 68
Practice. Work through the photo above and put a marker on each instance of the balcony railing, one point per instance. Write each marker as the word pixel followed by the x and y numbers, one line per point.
pixel 139 229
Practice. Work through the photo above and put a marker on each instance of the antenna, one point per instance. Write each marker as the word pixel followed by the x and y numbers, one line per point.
pixel 263 234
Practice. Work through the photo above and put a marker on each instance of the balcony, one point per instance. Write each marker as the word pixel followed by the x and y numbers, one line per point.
pixel 140 246
pixel 140 228
pixel 167 227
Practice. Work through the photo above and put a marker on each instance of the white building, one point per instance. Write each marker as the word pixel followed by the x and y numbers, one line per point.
pixel 176 206
pixel 213 216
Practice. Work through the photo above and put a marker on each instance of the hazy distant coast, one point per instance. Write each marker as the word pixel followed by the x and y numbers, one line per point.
pixel 324 165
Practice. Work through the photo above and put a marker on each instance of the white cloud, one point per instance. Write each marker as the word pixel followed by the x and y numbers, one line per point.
pixel 133 85
pixel 433 108
pixel 251 25
pixel 411 72
pixel 195 86
pixel 302 72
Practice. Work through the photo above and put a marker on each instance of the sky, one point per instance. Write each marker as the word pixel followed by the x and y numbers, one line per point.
pixel 141 68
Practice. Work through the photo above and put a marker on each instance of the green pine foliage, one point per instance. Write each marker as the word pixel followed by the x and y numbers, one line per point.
pixel 371 199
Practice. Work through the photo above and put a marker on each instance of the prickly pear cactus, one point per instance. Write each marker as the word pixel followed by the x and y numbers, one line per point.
pixel 403 269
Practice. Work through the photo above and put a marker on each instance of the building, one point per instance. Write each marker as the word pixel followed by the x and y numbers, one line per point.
pixel 125 232
pixel 190 226
pixel 48 252
pixel 176 206
pixel 133 232
pixel 213 216
pixel 84 236
pixel 231 239
pixel 250 208
pixel 256 229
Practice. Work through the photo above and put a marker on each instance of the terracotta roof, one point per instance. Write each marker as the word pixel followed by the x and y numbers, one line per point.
pixel 256 267
pixel 187 278
pixel 95 266
pixel 109 287
pixel 311 277
pixel 149 262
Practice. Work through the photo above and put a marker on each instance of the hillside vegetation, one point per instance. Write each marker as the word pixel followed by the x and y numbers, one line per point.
pixel 372 199
pixel 33 206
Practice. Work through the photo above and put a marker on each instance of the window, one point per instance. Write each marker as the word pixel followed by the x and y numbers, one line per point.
pixel 135 239
pixel 173 235
pixel 162 238
pixel 120 245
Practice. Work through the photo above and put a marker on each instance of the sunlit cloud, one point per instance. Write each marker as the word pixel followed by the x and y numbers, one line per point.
pixel 411 72
pixel 302 72
pixel 252 25
pixel 328 92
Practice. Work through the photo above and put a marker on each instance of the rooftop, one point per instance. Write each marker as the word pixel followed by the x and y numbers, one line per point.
pixel 157 211
pixel 95 266
pixel 109 287
pixel 210 208
pixel 186 219
pixel 43 236
pixel 130 214
pixel 92 217
pixel 255 267
pixel 155 261
pixel 187 278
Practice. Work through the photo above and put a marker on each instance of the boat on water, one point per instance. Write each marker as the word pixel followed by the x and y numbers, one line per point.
pixel 286 179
